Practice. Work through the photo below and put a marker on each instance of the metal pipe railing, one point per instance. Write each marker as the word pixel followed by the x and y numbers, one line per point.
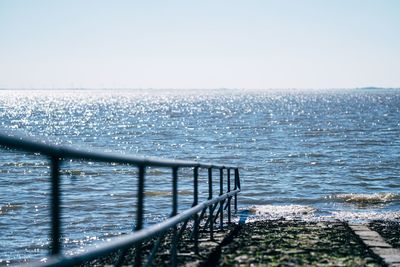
pixel 71 153
pixel 55 206
pixel 58 154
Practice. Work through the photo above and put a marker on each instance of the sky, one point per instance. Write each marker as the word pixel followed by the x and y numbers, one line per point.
pixel 254 44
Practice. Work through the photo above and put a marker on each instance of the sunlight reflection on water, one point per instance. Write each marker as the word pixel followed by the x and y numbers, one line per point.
pixel 319 149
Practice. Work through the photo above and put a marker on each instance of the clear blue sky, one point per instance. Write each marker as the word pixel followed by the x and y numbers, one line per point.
pixel 199 44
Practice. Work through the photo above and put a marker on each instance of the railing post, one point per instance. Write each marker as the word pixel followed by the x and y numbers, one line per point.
pixel 210 207
pixel 238 178
pixel 229 198
pixel 139 213
pixel 55 206
pixel 221 203
pixel 237 185
pixel 174 212
pixel 195 202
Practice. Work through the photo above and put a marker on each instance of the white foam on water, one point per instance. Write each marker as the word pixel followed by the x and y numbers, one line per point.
pixel 262 212
pixel 309 213
pixel 363 216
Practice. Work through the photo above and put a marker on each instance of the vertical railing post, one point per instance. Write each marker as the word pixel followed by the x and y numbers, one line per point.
pixel 195 202
pixel 229 198
pixel 55 206
pixel 139 213
pixel 237 185
pixel 221 203
pixel 238 178
pixel 210 207
pixel 174 212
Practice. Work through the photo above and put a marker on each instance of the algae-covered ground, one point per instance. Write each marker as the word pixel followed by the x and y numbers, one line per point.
pixel 261 243
pixel 389 230
pixel 293 243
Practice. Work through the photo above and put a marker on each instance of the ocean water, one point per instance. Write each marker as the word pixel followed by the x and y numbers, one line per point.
pixel 325 154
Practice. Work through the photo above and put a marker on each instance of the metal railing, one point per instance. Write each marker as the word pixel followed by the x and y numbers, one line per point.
pixel 58 154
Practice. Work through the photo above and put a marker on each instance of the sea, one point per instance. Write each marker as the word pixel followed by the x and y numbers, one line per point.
pixel 308 154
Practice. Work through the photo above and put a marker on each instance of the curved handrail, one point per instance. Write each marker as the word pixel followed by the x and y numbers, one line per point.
pixel 59 153
pixel 23 143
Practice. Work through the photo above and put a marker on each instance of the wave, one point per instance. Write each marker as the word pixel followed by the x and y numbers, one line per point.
pixel 365 199
pixel 167 193
pixel 9 207
pixel 25 164
pixel 92 172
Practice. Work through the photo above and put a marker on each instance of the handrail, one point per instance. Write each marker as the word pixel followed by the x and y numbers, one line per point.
pixel 127 241
pixel 22 143
pixel 57 154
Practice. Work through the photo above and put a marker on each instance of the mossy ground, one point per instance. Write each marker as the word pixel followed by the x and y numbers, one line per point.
pixel 296 243
pixel 263 243
pixel 389 230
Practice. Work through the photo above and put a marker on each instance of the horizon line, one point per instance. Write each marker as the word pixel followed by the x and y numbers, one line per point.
pixel 216 88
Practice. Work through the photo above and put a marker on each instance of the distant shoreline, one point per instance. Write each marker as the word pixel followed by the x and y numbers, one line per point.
pixel 372 88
